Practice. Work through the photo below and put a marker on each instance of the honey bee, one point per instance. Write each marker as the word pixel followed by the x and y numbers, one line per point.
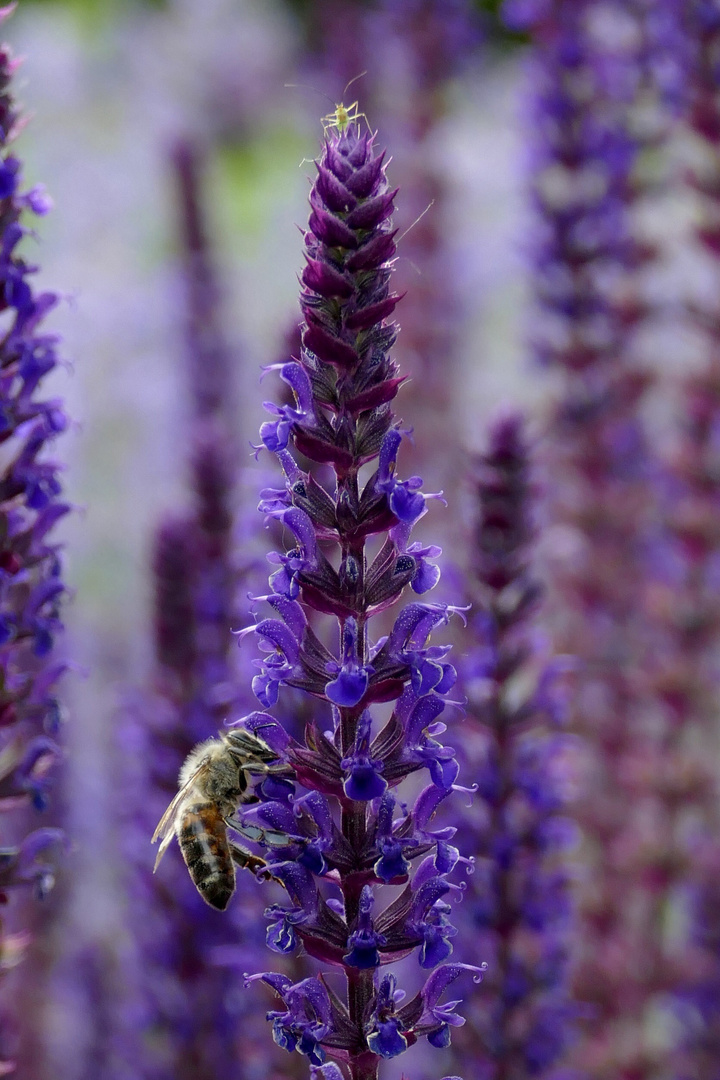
pixel 214 781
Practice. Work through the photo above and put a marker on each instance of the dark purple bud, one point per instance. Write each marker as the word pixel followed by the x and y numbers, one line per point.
pixel 330 349
pixel 364 318
pixel 372 254
pixel 324 279
pixel 331 230
pixel 333 193
pixel 377 395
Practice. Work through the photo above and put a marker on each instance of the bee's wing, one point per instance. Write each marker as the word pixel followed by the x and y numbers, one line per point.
pixel 166 825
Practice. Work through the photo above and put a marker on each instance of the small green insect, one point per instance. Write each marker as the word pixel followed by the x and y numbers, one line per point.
pixel 343 116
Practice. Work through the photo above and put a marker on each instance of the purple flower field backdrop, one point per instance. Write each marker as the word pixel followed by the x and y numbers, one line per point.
pixel 557 256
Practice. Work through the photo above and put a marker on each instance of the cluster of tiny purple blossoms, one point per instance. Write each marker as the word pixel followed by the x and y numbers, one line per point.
pixel 586 259
pixel 173 1033
pixel 518 903
pixel 31 586
pixel 349 833
pixel 634 592
pixel 688 606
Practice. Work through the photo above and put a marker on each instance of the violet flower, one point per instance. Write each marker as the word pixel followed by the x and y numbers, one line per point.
pixel 686 601
pixel 696 998
pixel 518 901
pixel 585 82
pixel 31 585
pixel 348 833
pixel 190 1023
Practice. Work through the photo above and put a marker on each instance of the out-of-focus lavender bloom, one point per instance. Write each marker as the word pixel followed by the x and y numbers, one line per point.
pixel 686 599
pixel 518 903
pixel 192 1021
pixel 31 586
pixel 416 50
pixel 420 47
pixel 347 831
pixel 696 1004
pixel 590 67
pixel 207 351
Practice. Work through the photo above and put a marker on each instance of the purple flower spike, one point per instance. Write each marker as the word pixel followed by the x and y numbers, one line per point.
pixel 183 981
pixel 512 747
pixel 31 586
pixel 590 264
pixel 342 835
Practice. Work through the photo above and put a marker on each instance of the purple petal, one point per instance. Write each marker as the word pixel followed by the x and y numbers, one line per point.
pixel 364 782
pixel 348 688
pixel 300 524
pixel 443 976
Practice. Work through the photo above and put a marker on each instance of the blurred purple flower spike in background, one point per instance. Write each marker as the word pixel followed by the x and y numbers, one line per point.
pixel 592 74
pixel 187 1020
pixel 518 902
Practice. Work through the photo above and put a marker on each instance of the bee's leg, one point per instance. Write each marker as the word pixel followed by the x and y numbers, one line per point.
pixel 248 797
pixel 251 832
pixel 260 836
pixel 281 769
pixel 247 861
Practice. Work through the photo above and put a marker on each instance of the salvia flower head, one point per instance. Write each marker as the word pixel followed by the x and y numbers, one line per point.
pixel 347 514
pixel 31 585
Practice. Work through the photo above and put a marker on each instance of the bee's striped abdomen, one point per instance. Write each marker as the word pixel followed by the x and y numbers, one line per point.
pixel 202 836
